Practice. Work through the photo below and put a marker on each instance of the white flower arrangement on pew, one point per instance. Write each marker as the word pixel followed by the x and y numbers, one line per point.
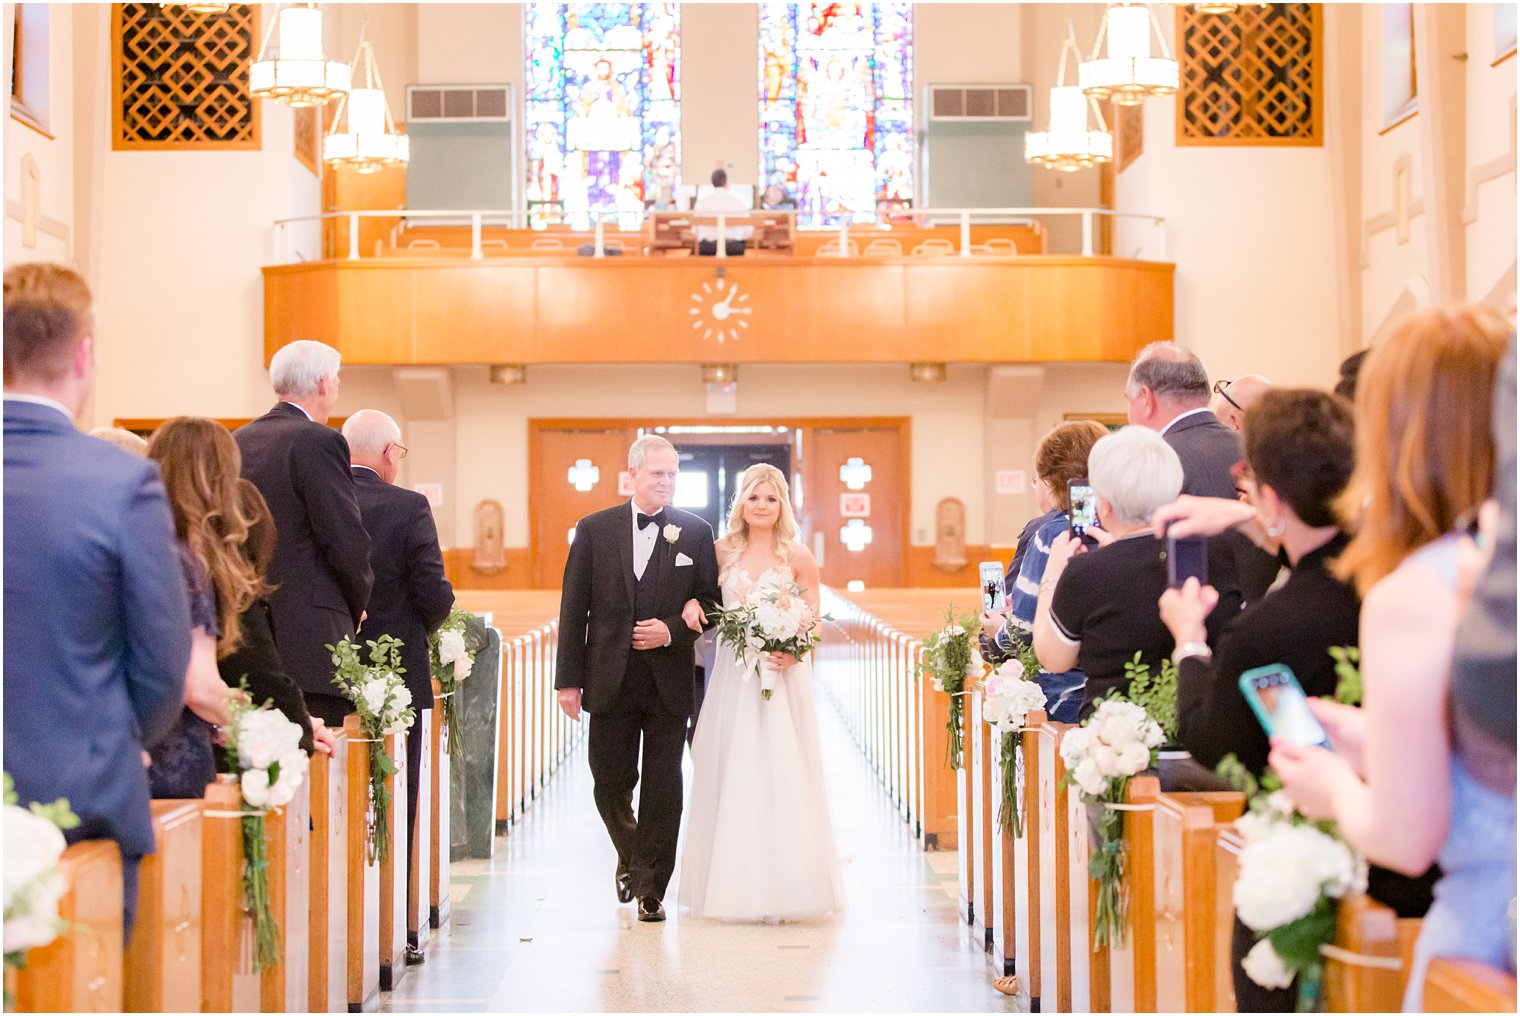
pixel 1008 697
pixel 950 657
pixel 380 697
pixel 264 753
pixel 453 648
pixel 1118 741
pixel 1293 870
pixel 34 886
pixel 778 621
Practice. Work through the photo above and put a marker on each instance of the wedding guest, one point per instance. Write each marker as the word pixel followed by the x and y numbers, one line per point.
pixel 1168 392
pixel 257 660
pixel 200 463
pixel 320 572
pixel 1232 398
pixel 1350 370
pixel 132 444
pixel 1096 608
pixel 411 596
pixel 1425 457
pixel 1059 461
pixel 97 628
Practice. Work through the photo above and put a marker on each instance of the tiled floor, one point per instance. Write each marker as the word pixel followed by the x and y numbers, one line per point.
pixel 537 926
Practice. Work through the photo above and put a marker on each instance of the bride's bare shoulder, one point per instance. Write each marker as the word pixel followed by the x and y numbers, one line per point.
pixel 722 546
pixel 803 561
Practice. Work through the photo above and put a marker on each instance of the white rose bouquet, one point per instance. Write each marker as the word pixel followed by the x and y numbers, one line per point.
pixel 384 705
pixel 264 753
pixel 34 886
pixel 452 648
pixel 1292 872
pixel 777 621
pixel 1007 697
pixel 950 657
pixel 1118 741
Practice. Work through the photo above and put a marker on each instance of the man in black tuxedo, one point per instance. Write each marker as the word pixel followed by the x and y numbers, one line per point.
pixel 626 656
pixel 320 569
pixel 411 597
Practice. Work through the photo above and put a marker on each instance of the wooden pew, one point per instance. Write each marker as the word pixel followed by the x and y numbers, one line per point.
pixel 228 983
pixel 1227 848
pixel 81 969
pixel 1365 928
pixel 1024 913
pixel 438 852
pixel 1089 965
pixel 363 876
pixel 283 987
pixel 1186 828
pixel 942 790
pixel 1009 866
pixel 163 961
pixel 1457 985
pixel 393 875
pixel 418 896
pixel 327 934
pixel 1132 966
pixel 967 801
pixel 981 761
pixel 1055 872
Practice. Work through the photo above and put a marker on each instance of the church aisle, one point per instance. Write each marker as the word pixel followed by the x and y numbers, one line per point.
pixel 537 926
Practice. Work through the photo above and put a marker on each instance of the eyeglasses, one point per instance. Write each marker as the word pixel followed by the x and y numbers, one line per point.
pixel 1220 390
pixel 398 444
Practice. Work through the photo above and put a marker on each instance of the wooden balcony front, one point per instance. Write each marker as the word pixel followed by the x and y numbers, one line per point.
pixel 535 310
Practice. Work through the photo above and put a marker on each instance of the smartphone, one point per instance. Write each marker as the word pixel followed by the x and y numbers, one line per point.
pixel 994 593
pixel 1281 706
pixel 1187 559
pixel 1084 507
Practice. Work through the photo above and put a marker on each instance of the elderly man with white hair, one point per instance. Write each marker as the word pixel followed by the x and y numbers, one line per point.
pixel 320 571
pixel 1097 607
pixel 412 596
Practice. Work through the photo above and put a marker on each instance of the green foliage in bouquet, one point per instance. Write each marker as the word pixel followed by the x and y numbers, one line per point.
pixel 948 654
pixel 1348 674
pixel 1155 693
pixel 380 697
pixel 461 636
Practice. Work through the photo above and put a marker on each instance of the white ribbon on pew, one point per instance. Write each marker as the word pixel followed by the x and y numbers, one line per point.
pixel 1117 806
pixel 1350 958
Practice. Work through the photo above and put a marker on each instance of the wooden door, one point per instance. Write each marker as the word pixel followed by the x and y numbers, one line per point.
pixel 874 460
pixel 575 473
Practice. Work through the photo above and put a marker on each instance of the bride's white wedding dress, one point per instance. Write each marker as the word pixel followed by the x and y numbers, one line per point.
pixel 759 842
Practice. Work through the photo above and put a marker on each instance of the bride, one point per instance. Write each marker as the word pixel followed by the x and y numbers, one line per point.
pixel 759 843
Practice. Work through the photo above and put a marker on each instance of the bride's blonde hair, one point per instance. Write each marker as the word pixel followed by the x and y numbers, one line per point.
pixel 738 529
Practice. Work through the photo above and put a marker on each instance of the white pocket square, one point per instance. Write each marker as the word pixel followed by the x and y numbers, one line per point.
pixel 682 561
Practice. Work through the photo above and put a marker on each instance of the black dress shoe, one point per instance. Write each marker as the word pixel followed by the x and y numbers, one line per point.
pixel 650 909
pixel 624 884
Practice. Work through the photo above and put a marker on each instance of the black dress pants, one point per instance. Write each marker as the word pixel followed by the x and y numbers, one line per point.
pixel 646 843
pixel 330 709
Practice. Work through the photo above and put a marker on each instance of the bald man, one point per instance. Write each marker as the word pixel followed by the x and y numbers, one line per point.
pixel 1232 398
pixel 411 596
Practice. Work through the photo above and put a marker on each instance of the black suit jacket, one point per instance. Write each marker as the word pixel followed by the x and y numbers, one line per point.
pixel 320 569
pixel 1208 450
pixel 411 596
pixel 597 607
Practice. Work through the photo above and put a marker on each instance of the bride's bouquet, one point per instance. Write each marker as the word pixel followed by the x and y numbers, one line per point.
pixel 777 621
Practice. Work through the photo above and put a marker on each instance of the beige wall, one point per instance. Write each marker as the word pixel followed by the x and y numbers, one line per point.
pixel 52 158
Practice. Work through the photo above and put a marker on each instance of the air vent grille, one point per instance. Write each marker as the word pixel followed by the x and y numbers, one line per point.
pixel 980 102
pixel 446 103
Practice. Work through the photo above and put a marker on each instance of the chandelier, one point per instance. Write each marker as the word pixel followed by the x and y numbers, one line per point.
pixel 206 8
pixel 1066 143
pixel 369 140
pixel 299 73
pixel 1129 74
pixel 1219 8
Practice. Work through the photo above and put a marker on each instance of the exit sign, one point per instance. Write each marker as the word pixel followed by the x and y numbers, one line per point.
pixel 1010 481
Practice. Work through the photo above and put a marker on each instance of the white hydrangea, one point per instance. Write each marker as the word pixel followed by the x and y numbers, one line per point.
pixel 463 666
pixel 1116 742
pixel 33 884
pixel 375 693
pixel 1284 868
pixel 451 648
pixel 255 786
pixel 777 621
pixel 975 667
pixel 1008 698
pixel 1265 967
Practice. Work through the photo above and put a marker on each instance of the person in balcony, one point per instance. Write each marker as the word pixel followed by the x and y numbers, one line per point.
pixel 721 200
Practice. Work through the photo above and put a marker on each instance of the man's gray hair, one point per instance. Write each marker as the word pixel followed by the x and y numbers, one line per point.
pixel 1136 472
pixel 640 449
pixel 1172 373
pixel 296 370
pixel 368 432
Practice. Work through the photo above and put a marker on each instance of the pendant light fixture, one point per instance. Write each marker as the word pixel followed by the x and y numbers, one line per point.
pixel 1129 74
pixel 298 72
pixel 368 140
pixel 1066 143
pixel 206 8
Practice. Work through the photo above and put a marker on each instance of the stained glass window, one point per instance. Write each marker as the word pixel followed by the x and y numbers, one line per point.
pixel 836 108
pixel 603 110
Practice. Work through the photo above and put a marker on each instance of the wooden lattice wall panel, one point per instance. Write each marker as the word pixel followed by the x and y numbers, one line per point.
pixel 1252 77
pixel 308 137
pixel 180 79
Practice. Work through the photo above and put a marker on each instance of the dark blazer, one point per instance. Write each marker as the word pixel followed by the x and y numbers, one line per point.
pixel 597 607
pixel 97 624
pixel 320 569
pixel 257 661
pixel 411 596
pixel 1208 450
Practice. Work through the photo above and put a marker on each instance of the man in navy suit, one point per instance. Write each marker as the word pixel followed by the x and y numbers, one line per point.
pixel 97 620
pixel 320 571
pixel 411 597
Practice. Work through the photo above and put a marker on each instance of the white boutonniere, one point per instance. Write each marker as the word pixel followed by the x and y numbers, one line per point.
pixel 671 534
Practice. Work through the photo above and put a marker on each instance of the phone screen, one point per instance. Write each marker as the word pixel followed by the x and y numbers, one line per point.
pixel 1281 706
pixel 994 593
pixel 1187 559
pixel 1084 508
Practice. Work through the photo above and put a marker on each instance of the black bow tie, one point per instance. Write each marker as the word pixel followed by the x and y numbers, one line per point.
pixel 657 519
